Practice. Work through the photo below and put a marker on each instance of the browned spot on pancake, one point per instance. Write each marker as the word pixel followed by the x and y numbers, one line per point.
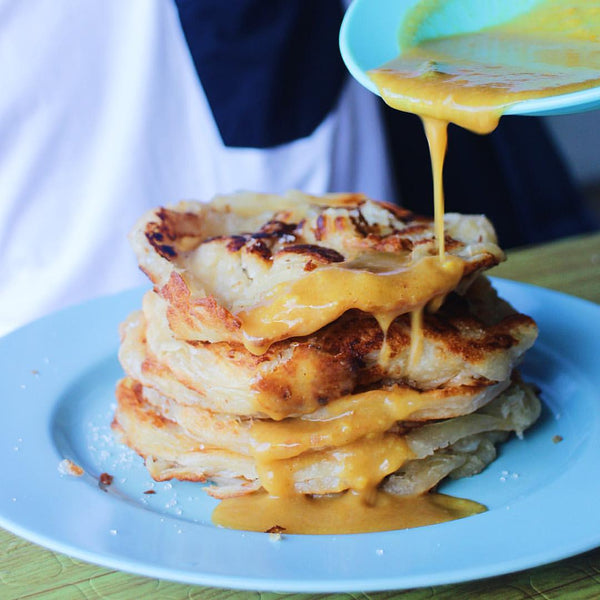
pixel 317 375
pixel 261 242
pixel 279 229
pixel 320 253
pixel 452 244
pixel 133 406
pixel 130 395
pixel 388 243
pixel 192 477
pixel 402 214
pixel 485 262
pixel 348 199
pixel 259 248
pixel 464 334
pixel 418 226
pixel 165 250
pixel 236 243
pixel 360 224
pixel 173 232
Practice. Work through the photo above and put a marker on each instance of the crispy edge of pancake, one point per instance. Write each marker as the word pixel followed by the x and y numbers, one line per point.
pixel 169 453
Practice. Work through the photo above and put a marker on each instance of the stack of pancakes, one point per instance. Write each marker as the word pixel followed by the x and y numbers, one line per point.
pixel 313 345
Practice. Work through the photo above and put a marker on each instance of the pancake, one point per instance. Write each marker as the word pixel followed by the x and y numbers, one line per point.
pixel 170 451
pixel 238 269
pixel 345 420
pixel 472 341
pixel 295 345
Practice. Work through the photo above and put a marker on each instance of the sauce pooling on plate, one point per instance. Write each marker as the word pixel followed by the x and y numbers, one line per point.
pixel 346 513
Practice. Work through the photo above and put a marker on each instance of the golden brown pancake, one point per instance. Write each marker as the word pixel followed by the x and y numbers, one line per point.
pixel 313 345
pixel 471 341
pixel 322 427
pixel 216 263
pixel 171 451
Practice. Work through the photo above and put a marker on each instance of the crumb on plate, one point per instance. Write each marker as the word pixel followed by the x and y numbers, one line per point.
pixel 68 467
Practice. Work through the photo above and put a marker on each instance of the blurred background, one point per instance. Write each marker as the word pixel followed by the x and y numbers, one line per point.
pixel 578 139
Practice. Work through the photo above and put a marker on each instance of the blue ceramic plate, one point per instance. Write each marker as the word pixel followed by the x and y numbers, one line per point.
pixel 57 383
pixel 369 37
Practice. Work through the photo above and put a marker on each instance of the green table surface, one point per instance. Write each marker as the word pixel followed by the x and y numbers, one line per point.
pixel 28 571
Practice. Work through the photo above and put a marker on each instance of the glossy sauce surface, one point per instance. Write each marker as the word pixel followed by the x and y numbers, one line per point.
pixel 346 513
pixel 303 306
pixel 359 465
pixel 343 421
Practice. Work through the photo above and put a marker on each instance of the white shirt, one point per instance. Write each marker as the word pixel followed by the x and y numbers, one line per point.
pixel 102 117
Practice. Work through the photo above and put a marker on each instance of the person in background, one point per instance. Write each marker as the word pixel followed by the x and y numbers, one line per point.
pixel 110 108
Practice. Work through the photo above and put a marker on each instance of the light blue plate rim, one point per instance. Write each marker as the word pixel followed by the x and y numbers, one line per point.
pixel 375 15
pixel 49 366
